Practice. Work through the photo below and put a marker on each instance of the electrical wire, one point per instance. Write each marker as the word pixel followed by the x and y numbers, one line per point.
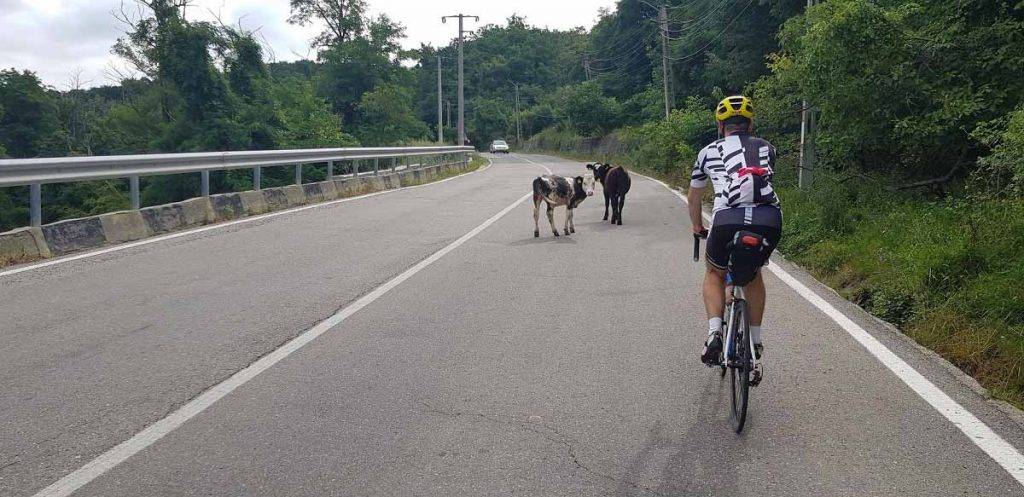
pixel 715 38
pixel 636 50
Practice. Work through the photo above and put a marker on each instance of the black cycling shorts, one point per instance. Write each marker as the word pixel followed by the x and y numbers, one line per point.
pixel 765 220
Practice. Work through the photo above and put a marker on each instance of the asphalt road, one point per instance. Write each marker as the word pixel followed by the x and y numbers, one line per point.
pixel 510 365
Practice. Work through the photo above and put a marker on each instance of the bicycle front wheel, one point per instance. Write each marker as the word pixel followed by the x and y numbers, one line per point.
pixel 740 370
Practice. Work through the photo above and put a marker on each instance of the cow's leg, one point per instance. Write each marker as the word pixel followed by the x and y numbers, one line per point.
pixel 606 199
pixel 551 218
pixel 622 203
pixel 615 206
pixel 536 215
pixel 568 217
pixel 571 215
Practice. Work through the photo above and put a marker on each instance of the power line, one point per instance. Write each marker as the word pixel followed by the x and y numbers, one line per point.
pixel 715 38
pixel 623 55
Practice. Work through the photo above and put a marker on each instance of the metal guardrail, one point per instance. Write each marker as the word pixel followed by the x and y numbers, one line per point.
pixel 36 172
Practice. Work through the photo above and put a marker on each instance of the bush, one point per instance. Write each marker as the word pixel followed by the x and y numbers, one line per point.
pixel 670 145
pixel 1002 173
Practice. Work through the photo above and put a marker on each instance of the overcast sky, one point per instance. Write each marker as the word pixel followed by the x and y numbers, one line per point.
pixel 59 38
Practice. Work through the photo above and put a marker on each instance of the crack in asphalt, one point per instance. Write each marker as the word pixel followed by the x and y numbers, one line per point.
pixel 550 434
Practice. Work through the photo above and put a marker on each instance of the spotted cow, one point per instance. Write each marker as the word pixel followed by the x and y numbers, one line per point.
pixel 556 191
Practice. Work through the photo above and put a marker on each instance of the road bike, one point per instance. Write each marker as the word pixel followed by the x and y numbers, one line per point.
pixel 738 355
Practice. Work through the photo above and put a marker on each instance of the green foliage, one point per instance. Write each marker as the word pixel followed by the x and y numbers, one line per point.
pixel 360 64
pixel 1001 174
pixel 491 119
pixel 587 110
pixel 387 114
pixel 666 145
pixel 307 118
pixel 29 122
pixel 898 86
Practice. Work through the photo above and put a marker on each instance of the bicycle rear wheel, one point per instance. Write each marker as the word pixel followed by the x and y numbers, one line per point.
pixel 740 370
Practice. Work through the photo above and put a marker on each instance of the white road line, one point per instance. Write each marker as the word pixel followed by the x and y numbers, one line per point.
pixel 111 458
pixel 1005 454
pixel 179 234
pixel 534 163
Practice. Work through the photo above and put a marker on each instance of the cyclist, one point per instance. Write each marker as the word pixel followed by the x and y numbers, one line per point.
pixel 740 168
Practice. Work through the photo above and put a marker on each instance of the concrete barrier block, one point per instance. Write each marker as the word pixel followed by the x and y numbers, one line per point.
pixel 374 184
pixel 354 186
pixel 296 195
pixel 227 206
pixel 197 211
pixel 124 226
pixel 162 218
pixel 405 178
pixel 329 189
pixel 74 234
pixel 253 202
pixel 390 181
pixel 275 199
pixel 23 244
pixel 313 193
pixel 343 187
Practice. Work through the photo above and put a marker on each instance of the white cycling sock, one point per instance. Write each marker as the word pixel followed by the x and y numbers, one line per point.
pixel 755 333
pixel 714 325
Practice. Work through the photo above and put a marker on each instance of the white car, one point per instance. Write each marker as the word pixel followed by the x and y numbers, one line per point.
pixel 499 146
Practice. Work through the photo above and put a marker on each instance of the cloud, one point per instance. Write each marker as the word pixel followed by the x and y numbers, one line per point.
pixel 56 37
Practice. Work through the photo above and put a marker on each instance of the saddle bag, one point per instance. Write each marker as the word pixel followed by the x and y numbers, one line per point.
pixel 746 256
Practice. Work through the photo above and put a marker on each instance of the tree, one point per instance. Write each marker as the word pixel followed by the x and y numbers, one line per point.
pixel 587 110
pixel 387 117
pixel 359 65
pixel 344 19
pixel 29 123
pixel 307 118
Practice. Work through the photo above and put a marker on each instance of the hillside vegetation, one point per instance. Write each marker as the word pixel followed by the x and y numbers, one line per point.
pixel 916 211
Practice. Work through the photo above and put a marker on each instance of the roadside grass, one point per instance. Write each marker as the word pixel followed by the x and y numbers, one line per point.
pixel 476 161
pixel 947 273
pixel 11 260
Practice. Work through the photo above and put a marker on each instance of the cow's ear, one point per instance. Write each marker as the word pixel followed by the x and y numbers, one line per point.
pixel 591 167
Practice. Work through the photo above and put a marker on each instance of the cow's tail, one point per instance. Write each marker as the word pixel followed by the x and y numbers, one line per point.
pixel 540 187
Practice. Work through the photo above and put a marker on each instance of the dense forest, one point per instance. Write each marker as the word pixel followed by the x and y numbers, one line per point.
pixel 916 210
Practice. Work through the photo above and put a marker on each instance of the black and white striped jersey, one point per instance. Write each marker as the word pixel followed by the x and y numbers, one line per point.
pixel 740 168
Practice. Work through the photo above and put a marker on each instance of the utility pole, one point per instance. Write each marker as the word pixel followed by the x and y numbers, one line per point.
pixel 440 110
pixel 448 103
pixel 663 22
pixel 806 171
pixel 519 129
pixel 462 99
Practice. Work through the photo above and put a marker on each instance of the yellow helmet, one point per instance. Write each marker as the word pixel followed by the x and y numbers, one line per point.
pixel 734 106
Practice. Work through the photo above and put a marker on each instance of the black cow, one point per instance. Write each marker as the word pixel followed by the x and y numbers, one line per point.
pixel 556 191
pixel 616 184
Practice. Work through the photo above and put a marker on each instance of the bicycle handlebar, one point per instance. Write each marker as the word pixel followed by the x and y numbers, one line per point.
pixel 696 244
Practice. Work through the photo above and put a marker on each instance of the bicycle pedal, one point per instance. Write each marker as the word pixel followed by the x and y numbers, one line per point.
pixel 756 375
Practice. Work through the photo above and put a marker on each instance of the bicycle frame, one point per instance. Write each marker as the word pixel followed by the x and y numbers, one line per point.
pixel 728 348
pixel 737 295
